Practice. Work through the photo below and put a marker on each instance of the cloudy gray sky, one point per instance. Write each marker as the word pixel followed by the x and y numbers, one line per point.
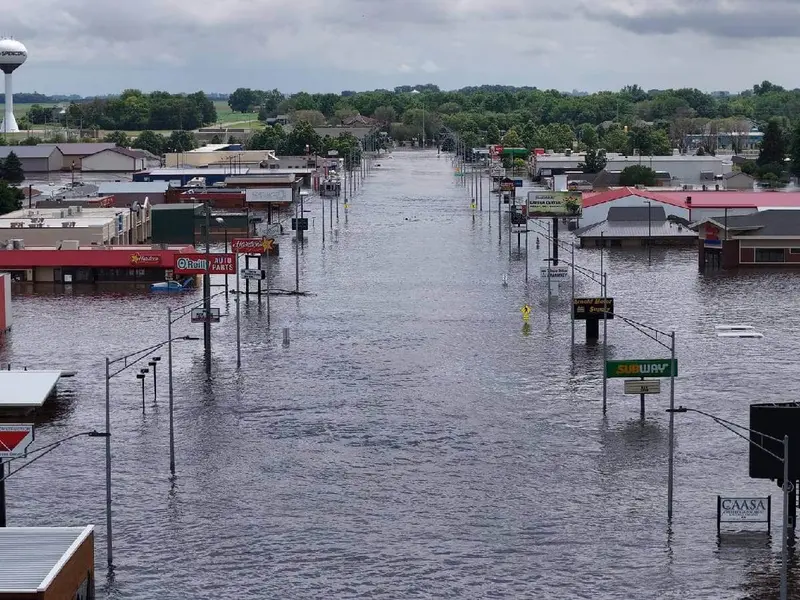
pixel 103 46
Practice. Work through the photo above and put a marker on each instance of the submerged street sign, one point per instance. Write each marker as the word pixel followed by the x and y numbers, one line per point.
pixel 199 315
pixel 559 273
pixel 15 439
pixel 592 308
pixel 744 510
pixel 638 386
pixel 658 367
pixel 254 273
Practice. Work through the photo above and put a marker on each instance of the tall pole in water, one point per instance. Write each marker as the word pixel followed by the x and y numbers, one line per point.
pixel 670 475
pixel 207 291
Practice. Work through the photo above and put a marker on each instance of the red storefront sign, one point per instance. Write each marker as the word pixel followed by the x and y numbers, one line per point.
pixel 195 264
pixel 145 260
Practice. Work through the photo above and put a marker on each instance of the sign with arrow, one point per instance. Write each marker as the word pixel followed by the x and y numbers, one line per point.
pixel 15 439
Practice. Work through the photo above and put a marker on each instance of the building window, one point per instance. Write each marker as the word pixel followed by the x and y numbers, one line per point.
pixel 770 255
pixel 794 250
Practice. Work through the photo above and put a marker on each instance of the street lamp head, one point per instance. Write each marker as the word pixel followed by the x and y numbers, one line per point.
pixel 144 370
pixel 220 220
pixel 680 409
pixel 304 193
pixel 190 337
pixel 140 376
pixel 156 358
pixel 96 433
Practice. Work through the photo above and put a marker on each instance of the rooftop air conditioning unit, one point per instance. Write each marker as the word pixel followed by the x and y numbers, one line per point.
pixel 70 210
pixel 18 244
pixel 62 214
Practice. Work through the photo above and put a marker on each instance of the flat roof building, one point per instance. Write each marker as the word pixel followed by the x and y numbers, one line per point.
pixel 47 563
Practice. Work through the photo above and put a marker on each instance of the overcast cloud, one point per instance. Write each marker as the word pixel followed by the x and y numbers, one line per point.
pixel 103 46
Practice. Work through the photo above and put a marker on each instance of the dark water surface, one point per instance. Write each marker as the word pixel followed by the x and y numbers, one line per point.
pixel 411 442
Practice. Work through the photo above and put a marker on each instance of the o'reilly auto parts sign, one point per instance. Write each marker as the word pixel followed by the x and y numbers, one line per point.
pixel 658 367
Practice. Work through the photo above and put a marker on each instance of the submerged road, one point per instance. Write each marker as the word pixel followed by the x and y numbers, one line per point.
pixel 412 441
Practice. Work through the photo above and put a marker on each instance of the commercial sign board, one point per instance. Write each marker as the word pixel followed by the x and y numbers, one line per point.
pixel 642 386
pixel 559 273
pixel 144 260
pixel 554 204
pixel 195 264
pixel 254 273
pixel 743 510
pixel 251 245
pixel 518 183
pixel 592 308
pixel 658 367
pixel 198 315
pixel 300 223
pixel 15 439
pixel 268 195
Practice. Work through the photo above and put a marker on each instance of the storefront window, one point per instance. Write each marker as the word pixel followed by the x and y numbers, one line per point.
pixel 770 255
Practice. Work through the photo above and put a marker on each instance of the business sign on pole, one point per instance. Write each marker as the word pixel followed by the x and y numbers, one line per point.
pixel 743 510
pixel 658 367
pixel 268 195
pixel 195 264
pixel 584 309
pixel 15 439
pixel 554 204
pixel 300 223
pixel 518 183
pixel 559 273
pixel 198 315
pixel 254 274
pixel 642 386
pixel 260 245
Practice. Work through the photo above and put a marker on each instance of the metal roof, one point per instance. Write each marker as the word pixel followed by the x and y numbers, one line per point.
pixel 26 389
pixel 769 223
pixel 194 172
pixel 31 557
pixel 636 213
pixel 38 151
pixel 636 229
pixel 106 188
pixel 84 148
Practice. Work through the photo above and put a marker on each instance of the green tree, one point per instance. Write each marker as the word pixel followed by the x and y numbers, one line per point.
pixel 773 145
pixel 595 161
pixel 10 198
pixel 150 141
pixel 180 141
pixel 314 117
pixel 637 175
pixel 269 138
pixel 615 140
pixel 794 152
pixel 511 139
pixel 11 169
pixel 242 100
pixel 120 138
pixel 385 115
pixel 493 134
pixel 588 136
pixel 300 140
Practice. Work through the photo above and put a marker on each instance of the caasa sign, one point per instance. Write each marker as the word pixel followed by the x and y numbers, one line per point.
pixel 141 260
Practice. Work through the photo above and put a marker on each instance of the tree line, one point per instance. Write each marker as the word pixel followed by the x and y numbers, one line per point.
pixel 132 110
pixel 11 174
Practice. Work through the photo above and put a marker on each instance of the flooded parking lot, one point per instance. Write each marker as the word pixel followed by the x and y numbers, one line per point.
pixel 412 441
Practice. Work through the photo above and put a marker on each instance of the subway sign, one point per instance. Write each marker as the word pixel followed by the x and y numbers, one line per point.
pixel 658 367
pixel 195 264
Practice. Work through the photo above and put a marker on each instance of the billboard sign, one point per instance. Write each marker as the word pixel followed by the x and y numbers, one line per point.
pixel 557 273
pixel 743 510
pixel 198 315
pixel 14 440
pixel 554 204
pixel 269 195
pixel 195 264
pixel 584 309
pixel 251 245
pixel 658 367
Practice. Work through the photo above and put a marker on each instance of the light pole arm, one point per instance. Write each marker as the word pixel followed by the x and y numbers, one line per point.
pixel 45 450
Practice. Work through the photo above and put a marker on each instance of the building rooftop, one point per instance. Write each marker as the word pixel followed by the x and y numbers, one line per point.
pixel 636 229
pixel 636 213
pixel 179 206
pixel 31 557
pixel 193 172
pixel 757 200
pixel 767 223
pixel 83 149
pixel 108 188
pixel 39 151
pixel 26 389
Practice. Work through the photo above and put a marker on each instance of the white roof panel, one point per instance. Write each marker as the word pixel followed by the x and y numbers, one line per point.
pixel 26 389
pixel 31 556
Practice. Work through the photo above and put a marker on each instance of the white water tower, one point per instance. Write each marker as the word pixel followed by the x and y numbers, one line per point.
pixel 12 55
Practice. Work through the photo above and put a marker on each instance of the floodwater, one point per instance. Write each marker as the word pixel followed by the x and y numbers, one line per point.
pixel 412 441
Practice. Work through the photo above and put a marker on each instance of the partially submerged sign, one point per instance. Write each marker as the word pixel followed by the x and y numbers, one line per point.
pixel 199 315
pixel 642 386
pixel 658 367
pixel 559 273
pixel 195 264
pixel 554 204
pixel 592 308
pixel 744 510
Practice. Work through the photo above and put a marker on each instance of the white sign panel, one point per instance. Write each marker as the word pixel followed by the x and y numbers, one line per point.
pixel 743 510
pixel 254 273
pixel 15 439
pixel 648 386
pixel 559 273
pixel 268 195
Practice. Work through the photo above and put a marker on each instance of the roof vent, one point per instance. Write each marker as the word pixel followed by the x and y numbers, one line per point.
pixel 688 200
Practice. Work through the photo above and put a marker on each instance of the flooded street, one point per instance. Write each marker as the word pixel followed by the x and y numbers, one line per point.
pixel 411 442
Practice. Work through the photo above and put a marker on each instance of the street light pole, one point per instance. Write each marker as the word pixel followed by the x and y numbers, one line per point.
pixel 109 532
pixel 297 250
pixel 785 532
pixel 207 293
pixel 171 396
pixel 221 221
pixel 671 425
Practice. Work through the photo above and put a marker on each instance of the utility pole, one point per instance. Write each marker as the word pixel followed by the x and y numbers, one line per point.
pixel 207 292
